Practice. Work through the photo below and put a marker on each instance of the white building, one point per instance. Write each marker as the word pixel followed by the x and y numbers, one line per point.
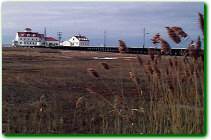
pixel 29 38
pixel 66 43
pixel 51 42
pixel 33 39
pixel 77 41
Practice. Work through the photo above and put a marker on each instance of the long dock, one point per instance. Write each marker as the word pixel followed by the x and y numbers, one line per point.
pixel 174 51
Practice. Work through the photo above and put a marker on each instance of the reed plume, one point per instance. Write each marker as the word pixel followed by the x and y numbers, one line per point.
pixel 140 61
pixel 42 103
pixel 151 53
pixel 134 78
pixel 79 102
pixel 122 46
pixel 198 43
pixel 156 38
pixel 42 98
pixel 167 71
pixel 92 92
pixel 93 72
pixel 179 31
pixel 105 65
pixel 170 62
pixel 157 71
pixel 171 86
pixel 201 21
pixel 165 47
pixel 198 48
pixel 158 57
pixel 118 101
pixel 173 35
pixel 192 50
pixel 148 68
pixel 175 62
pixel 191 45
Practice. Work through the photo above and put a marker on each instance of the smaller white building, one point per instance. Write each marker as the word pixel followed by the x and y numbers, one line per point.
pixel 66 43
pixel 51 42
pixel 77 41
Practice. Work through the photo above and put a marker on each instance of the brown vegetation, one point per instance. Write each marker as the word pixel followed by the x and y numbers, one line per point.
pixel 135 96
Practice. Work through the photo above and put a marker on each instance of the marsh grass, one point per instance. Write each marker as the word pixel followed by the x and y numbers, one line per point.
pixel 163 95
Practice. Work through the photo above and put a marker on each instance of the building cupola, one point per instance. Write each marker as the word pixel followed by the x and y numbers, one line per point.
pixel 28 30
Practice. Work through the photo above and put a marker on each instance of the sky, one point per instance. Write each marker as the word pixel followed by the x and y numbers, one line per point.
pixel 120 20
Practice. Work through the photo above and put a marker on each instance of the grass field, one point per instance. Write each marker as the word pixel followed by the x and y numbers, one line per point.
pixel 74 92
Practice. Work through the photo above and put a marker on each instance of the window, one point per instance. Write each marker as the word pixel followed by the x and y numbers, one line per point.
pixel 20 38
pixel 32 39
pixel 20 42
pixel 28 35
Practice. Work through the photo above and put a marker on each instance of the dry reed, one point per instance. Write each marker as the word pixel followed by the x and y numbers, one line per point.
pixel 151 53
pixel 165 47
pixel 201 21
pixel 80 101
pixel 140 61
pixel 105 65
pixel 179 31
pixel 156 39
pixel 173 35
pixel 198 43
pixel 122 46
pixel 93 72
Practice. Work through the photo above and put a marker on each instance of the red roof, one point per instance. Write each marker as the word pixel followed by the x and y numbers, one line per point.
pixel 35 34
pixel 50 39
pixel 30 34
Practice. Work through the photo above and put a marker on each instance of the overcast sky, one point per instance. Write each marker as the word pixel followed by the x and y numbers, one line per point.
pixel 121 20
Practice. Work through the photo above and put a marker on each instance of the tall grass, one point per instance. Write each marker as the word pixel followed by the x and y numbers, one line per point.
pixel 170 100
pixel 167 98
